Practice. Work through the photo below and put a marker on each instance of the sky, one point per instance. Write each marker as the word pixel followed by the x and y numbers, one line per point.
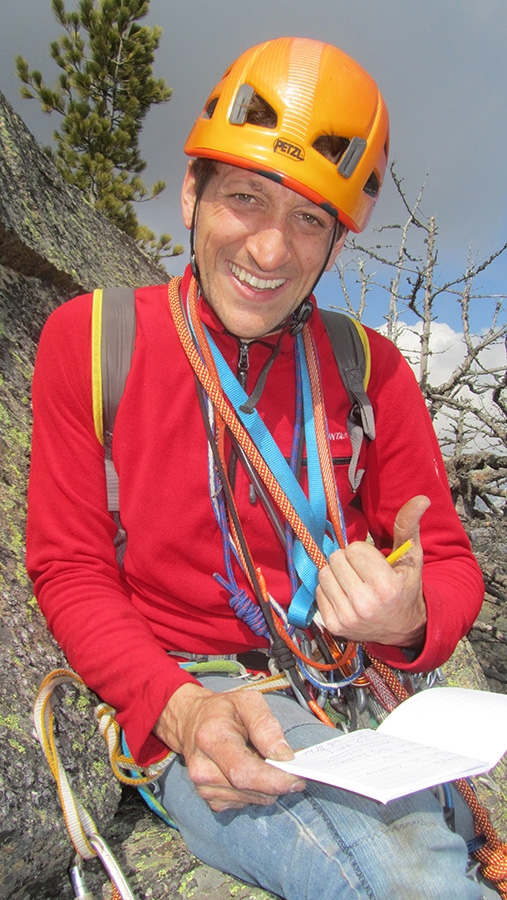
pixel 440 65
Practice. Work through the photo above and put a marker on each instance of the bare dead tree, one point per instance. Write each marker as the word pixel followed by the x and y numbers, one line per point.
pixel 469 408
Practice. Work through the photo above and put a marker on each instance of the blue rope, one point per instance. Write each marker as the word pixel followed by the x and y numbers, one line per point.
pixel 299 563
pixel 243 605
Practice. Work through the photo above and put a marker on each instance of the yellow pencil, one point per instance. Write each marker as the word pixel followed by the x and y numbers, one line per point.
pixel 399 552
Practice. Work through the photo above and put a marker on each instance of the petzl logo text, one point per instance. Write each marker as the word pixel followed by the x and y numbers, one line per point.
pixel 288 149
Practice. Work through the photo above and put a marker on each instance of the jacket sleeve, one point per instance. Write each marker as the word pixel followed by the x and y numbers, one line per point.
pixel 403 461
pixel 70 552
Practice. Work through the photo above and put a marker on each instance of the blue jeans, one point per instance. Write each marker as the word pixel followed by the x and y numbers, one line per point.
pixel 325 844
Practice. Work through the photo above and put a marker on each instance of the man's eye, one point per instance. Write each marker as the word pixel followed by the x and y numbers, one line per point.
pixel 244 198
pixel 310 220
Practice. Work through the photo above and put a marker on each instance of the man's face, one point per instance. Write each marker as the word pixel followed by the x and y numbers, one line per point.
pixel 259 247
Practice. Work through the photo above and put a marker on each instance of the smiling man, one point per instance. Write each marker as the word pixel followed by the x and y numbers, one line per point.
pixel 261 248
pixel 233 453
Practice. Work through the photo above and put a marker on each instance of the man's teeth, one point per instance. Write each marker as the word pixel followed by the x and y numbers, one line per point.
pixel 261 284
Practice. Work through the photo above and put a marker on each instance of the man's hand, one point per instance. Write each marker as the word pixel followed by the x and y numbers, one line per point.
pixel 362 598
pixel 224 739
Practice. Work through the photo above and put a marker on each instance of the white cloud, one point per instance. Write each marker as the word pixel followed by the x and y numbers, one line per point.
pixel 446 348
pixel 447 352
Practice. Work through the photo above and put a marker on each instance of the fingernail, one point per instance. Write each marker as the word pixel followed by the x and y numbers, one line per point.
pixel 281 751
pixel 297 786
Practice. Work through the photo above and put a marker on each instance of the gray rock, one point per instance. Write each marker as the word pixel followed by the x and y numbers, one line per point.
pixel 49 232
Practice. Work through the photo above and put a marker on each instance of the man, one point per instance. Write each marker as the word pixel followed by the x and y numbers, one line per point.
pixel 288 154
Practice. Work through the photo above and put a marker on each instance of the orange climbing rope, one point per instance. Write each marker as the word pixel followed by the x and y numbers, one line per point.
pixel 206 372
pixel 340 660
pixel 492 856
pixel 215 393
pixel 346 656
pixel 321 435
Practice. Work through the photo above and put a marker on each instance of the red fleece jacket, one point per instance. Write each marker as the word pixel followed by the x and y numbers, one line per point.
pixel 115 628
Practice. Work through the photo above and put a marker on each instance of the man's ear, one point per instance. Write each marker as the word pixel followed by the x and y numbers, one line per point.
pixel 337 249
pixel 188 197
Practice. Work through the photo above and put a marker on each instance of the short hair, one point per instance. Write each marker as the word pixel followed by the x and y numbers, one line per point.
pixel 202 169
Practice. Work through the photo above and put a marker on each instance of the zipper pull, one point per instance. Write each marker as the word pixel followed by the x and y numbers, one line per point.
pixel 243 364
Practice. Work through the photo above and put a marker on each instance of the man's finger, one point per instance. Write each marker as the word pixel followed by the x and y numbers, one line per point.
pixel 264 730
pixel 407 522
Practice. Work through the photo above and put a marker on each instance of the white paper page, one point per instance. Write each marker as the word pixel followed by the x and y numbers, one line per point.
pixel 378 765
pixel 473 723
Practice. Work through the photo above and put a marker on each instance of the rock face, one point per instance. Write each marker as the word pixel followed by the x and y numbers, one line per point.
pixel 48 232
pixel 49 250
pixel 489 634
pixel 52 246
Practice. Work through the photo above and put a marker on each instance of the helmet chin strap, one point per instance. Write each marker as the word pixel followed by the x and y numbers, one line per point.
pixel 193 261
pixel 300 316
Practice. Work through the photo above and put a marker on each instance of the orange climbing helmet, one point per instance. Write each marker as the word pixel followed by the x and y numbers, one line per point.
pixel 305 114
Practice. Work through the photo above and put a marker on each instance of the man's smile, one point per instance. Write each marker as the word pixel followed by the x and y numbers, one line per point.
pixel 260 284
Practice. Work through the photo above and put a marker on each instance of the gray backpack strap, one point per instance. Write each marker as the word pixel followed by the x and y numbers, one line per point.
pixel 350 352
pixel 117 347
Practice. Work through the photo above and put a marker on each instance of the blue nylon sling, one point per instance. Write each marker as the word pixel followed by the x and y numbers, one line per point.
pixel 311 510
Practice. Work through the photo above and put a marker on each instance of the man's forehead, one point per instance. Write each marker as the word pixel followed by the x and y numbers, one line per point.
pixel 232 176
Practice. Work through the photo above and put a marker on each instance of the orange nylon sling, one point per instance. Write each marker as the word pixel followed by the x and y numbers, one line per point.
pixel 225 416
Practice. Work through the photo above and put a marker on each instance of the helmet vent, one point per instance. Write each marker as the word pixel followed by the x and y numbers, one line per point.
pixel 239 111
pixel 210 109
pixel 250 108
pixel 331 146
pixel 372 186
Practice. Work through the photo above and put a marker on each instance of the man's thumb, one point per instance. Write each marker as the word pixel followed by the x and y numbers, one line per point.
pixel 406 524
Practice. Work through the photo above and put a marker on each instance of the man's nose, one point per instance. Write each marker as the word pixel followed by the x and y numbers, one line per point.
pixel 269 248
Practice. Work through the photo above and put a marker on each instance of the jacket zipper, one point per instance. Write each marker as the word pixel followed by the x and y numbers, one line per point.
pixel 242 376
pixel 243 364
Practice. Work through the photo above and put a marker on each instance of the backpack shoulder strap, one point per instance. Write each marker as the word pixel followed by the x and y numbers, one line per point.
pixel 113 338
pixel 351 348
